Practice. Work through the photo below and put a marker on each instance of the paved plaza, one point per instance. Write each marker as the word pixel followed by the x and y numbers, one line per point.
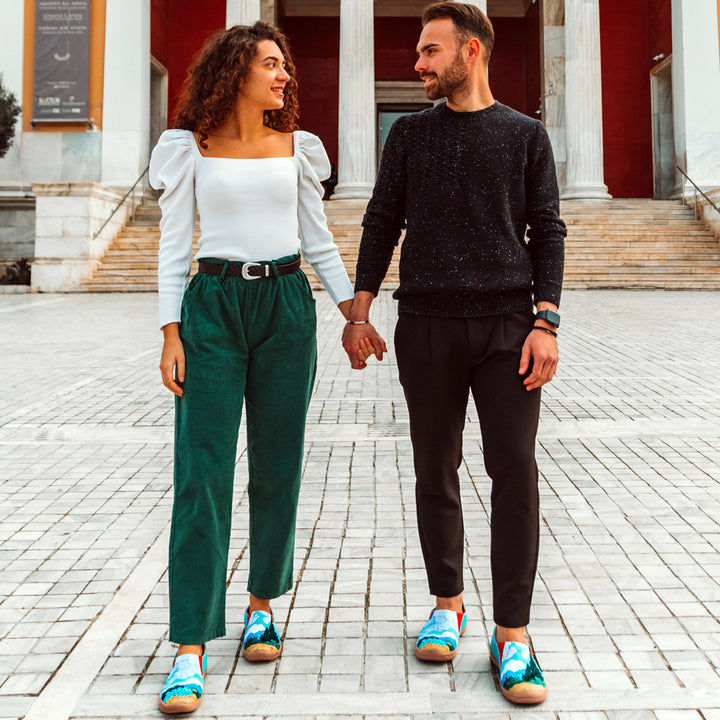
pixel 627 598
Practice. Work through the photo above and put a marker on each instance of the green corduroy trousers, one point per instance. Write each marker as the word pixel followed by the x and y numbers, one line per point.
pixel 243 339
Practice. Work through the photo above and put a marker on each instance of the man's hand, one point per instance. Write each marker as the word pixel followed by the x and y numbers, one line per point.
pixel 541 348
pixel 360 342
pixel 173 356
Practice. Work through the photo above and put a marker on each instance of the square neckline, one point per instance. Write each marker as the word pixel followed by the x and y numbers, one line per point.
pixel 273 157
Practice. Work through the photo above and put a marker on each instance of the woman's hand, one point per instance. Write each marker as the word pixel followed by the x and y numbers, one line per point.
pixel 172 360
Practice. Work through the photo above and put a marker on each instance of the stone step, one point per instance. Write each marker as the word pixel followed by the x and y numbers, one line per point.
pixel 617 243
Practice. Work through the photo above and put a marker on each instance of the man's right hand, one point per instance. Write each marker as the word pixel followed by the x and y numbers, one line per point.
pixel 173 356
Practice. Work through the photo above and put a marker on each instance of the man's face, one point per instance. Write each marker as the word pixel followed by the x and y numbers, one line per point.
pixel 440 62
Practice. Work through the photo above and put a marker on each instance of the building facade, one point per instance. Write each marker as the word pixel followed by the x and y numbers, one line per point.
pixel 627 89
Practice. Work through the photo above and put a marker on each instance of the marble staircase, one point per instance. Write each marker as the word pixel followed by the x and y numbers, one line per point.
pixel 611 244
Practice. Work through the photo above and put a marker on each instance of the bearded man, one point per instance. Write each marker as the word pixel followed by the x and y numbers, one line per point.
pixel 467 178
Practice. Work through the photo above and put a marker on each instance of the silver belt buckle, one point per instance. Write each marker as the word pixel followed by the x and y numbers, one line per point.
pixel 245 271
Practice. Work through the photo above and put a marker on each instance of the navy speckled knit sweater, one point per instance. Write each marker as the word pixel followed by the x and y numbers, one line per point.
pixel 467 185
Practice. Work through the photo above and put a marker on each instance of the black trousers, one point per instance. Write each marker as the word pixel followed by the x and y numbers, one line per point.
pixel 440 360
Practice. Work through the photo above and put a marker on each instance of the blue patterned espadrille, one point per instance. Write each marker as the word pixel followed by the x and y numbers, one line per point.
pixel 183 689
pixel 438 640
pixel 521 680
pixel 261 640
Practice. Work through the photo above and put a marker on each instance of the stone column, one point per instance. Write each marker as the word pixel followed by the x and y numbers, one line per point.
pixel 126 92
pixel 553 59
pixel 482 4
pixel 696 91
pixel 356 117
pixel 241 12
pixel 583 101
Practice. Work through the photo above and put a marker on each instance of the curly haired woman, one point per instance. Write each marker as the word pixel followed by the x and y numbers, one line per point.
pixel 244 328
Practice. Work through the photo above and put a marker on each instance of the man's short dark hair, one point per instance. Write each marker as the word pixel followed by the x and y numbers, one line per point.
pixel 469 22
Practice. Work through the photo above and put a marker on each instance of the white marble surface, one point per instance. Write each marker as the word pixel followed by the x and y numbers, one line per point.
pixel 482 4
pixel 242 12
pixel 356 112
pixel 80 157
pixel 553 12
pixel 696 89
pixel 126 92
pixel 554 39
pixel 41 157
pixel 67 216
pixel 583 101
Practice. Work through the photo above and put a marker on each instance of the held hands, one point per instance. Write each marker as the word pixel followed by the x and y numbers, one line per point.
pixel 541 348
pixel 173 356
pixel 360 339
pixel 360 342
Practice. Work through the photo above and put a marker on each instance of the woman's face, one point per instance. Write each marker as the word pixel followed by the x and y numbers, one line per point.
pixel 265 83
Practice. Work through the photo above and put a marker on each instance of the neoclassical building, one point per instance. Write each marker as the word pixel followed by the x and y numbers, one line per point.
pixel 628 90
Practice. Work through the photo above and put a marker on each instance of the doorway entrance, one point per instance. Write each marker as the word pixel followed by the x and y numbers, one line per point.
pixel 662 130
pixel 387 115
pixel 158 100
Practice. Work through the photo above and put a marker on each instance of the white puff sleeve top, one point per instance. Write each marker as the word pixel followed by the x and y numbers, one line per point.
pixel 250 210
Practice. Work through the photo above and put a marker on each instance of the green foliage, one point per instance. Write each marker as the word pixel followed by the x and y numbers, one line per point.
pixel 9 111
pixel 16 274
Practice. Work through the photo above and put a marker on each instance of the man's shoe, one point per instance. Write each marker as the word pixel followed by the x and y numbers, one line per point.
pixel 438 640
pixel 183 689
pixel 521 680
pixel 261 640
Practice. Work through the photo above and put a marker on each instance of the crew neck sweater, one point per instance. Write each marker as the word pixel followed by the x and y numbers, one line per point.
pixel 467 186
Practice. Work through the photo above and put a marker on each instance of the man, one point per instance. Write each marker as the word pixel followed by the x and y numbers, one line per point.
pixel 467 177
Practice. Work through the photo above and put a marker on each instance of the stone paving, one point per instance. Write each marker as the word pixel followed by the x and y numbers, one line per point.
pixel 628 592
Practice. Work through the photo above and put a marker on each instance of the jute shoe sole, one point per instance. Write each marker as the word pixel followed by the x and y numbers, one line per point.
pixel 172 708
pixel 262 653
pixel 525 694
pixel 434 653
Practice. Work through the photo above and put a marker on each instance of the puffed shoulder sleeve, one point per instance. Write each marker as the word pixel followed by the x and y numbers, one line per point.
pixel 316 240
pixel 172 170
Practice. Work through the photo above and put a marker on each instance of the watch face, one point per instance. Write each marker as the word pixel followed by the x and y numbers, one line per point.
pixel 550 316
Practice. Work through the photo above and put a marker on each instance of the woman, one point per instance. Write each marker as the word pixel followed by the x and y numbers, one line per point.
pixel 244 328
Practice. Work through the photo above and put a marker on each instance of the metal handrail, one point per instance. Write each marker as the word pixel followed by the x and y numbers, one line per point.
pixel 697 190
pixel 122 202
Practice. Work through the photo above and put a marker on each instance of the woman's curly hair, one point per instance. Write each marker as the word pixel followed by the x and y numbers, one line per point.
pixel 217 73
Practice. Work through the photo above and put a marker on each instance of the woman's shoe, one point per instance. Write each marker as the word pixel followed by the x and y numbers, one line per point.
pixel 261 641
pixel 183 689
pixel 438 640
pixel 521 680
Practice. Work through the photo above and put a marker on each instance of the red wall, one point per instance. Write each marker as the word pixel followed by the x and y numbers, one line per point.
pixel 315 44
pixel 188 26
pixel 159 45
pixel 660 28
pixel 627 131
pixel 395 43
pixel 533 76
pixel 315 48
pixel 507 62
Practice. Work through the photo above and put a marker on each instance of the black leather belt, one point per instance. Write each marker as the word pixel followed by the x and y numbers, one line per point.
pixel 249 270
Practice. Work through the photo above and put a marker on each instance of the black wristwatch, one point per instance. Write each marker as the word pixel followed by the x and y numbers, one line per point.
pixel 549 316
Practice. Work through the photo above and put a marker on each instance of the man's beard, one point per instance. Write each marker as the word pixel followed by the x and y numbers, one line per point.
pixel 450 81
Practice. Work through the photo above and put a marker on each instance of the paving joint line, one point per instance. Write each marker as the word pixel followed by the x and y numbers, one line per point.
pixel 68 686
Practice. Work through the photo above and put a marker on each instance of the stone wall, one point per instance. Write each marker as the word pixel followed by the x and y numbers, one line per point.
pixel 67 217
pixel 706 211
pixel 17 228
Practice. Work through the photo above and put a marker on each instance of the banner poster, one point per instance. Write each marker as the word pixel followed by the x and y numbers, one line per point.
pixel 62 60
